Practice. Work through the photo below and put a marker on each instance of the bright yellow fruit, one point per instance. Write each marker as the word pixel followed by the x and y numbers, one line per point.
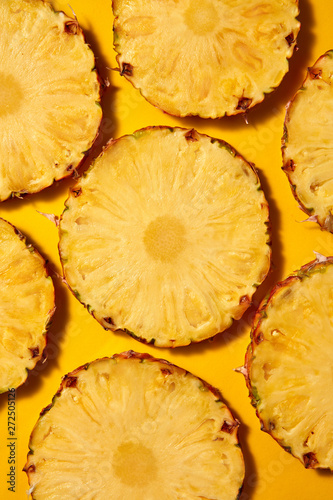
pixel 289 367
pixel 308 142
pixel 135 427
pixel 210 57
pixel 26 306
pixel 166 236
pixel 49 92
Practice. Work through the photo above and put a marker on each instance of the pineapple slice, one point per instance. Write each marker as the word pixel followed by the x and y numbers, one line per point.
pixel 135 427
pixel 209 58
pixel 49 93
pixel 166 237
pixel 289 366
pixel 26 306
pixel 307 144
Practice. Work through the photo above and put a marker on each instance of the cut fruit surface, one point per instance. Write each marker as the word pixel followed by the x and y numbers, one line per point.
pixel 26 306
pixel 307 145
pixel 133 426
pixel 289 364
pixel 49 93
pixel 166 236
pixel 209 58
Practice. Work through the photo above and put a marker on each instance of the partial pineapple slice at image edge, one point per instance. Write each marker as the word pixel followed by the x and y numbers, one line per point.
pixel 209 58
pixel 167 236
pixel 50 97
pixel 27 305
pixel 307 144
pixel 132 426
pixel 289 367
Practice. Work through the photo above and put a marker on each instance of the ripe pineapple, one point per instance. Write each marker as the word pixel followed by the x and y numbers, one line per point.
pixel 209 58
pixel 49 92
pixel 26 306
pixel 289 364
pixel 166 237
pixel 135 427
pixel 307 145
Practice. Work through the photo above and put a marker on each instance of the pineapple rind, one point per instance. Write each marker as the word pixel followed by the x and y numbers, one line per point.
pixel 211 190
pixel 225 70
pixel 307 145
pixel 134 400
pixel 288 365
pixel 26 306
pixel 52 93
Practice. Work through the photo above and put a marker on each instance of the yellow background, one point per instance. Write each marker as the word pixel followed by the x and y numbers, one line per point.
pixel 75 337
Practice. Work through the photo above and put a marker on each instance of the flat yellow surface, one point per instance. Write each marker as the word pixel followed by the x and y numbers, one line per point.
pixel 75 337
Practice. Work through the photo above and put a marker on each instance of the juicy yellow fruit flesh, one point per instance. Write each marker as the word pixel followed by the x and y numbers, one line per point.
pixel 49 96
pixel 207 58
pixel 26 306
pixel 291 369
pixel 309 141
pixel 11 94
pixel 133 428
pixel 166 237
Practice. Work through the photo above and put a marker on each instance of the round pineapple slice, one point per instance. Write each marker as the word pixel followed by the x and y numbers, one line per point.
pixel 307 145
pixel 289 367
pixel 50 111
pixel 26 306
pixel 209 58
pixel 166 237
pixel 136 427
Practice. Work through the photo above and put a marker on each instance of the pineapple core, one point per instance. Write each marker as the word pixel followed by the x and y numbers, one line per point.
pixel 134 464
pixel 201 18
pixel 164 238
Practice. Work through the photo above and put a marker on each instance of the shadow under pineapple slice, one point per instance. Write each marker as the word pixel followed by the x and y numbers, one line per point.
pixel 209 58
pixel 307 144
pixel 166 236
pixel 133 426
pixel 289 367
pixel 49 90
pixel 26 306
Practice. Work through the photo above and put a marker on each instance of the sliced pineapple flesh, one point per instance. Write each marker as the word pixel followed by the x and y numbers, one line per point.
pixel 167 236
pixel 308 142
pixel 209 58
pixel 49 93
pixel 135 427
pixel 26 306
pixel 290 364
